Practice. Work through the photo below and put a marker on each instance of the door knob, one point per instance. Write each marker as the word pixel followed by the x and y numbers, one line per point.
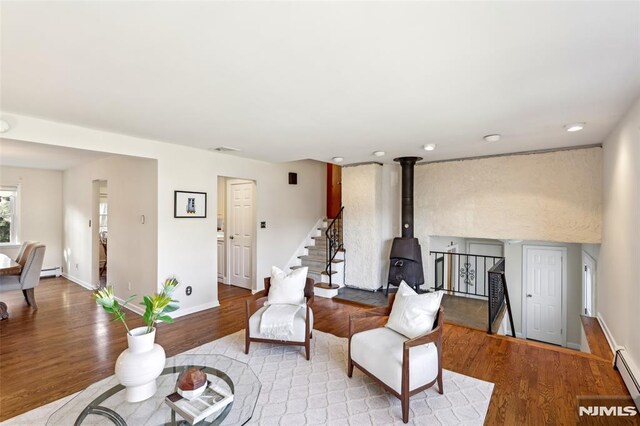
pixel 529 295
pixel 231 237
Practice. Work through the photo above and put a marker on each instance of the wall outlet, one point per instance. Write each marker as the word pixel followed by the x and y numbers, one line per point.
pixel 188 290
pixel 77 266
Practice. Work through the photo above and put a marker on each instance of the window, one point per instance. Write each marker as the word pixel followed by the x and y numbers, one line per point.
pixel 8 214
pixel 103 214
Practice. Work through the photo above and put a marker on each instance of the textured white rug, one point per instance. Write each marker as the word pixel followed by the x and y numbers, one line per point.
pixel 318 392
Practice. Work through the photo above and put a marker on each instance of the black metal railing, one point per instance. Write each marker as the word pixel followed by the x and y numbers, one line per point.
pixel 466 273
pixel 474 275
pixel 498 295
pixel 333 235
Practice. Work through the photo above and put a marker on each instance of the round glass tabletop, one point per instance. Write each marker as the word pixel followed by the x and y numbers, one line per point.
pixel 104 403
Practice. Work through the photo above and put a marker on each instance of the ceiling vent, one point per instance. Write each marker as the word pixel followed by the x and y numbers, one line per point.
pixel 224 149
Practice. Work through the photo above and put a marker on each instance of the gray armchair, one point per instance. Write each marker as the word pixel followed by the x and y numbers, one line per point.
pixel 29 278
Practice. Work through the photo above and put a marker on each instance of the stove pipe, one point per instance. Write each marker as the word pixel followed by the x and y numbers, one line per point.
pixel 407 164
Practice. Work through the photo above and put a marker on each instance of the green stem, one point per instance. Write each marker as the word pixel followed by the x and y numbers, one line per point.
pixel 150 325
pixel 120 316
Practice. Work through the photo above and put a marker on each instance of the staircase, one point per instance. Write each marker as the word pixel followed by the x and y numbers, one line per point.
pixel 325 258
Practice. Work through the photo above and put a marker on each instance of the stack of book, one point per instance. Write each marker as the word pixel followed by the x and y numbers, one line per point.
pixel 212 401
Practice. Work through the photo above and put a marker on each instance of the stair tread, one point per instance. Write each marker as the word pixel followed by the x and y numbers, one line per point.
pixel 319 259
pixel 319 247
pixel 315 271
pixel 327 286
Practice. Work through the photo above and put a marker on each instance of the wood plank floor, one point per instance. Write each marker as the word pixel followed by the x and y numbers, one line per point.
pixel 596 338
pixel 70 343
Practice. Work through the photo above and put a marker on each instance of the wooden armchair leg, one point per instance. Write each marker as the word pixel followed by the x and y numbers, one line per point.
pixel 350 368
pixel 307 349
pixel 440 388
pixel 247 342
pixel 405 407
pixel 30 295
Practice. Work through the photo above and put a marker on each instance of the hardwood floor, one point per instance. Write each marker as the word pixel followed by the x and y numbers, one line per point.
pixel 226 292
pixel 70 343
pixel 596 338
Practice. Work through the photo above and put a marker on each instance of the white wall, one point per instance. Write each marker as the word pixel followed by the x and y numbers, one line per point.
pixel 132 246
pixel 592 250
pixel 187 247
pixel 552 196
pixel 618 283
pixel 40 210
pixel 222 197
pixel 371 200
pixel 363 225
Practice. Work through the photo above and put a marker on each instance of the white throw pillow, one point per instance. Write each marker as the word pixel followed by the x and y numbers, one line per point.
pixel 413 314
pixel 285 288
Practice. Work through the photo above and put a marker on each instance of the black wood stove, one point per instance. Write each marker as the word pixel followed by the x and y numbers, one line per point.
pixel 406 255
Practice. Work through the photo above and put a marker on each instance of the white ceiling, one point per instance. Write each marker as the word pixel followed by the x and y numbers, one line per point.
pixel 291 80
pixel 39 156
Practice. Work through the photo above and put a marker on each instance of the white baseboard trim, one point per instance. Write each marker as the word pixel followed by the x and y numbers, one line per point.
pixel 520 335
pixel 86 285
pixel 182 312
pixel 139 309
pixel 136 309
pixel 607 333
pixel 575 346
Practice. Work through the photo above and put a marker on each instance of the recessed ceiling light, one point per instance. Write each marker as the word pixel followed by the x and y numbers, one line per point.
pixel 338 159
pixel 430 147
pixel 379 153
pixel 492 138
pixel 4 126
pixel 574 127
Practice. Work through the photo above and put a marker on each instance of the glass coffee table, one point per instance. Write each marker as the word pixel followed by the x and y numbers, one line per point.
pixel 104 403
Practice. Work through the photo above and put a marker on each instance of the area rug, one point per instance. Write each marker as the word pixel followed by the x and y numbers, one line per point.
pixel 318 392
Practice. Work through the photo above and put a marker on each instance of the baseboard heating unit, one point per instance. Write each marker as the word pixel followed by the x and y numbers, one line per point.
pixel 629 373
pixel 51 272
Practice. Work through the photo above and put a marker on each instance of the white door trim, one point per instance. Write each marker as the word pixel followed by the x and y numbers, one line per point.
pixel 586 257
pixel 254 243
pixel 563 249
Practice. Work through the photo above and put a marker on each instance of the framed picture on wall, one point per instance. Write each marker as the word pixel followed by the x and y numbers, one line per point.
pixel 190 204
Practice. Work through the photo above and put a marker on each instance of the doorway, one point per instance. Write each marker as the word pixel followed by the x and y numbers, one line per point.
pixel 482 265
pixel 588 284
pixel 544 294
pixel 100 232
pixel 334 190
pixel 240 232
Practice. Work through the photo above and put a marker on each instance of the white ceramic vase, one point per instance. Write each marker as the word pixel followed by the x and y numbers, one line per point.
pixel 138 367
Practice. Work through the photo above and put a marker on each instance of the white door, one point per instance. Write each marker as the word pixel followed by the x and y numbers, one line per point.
pixel 543 289
pixel 481 265
pixel 588 280
pixel 241 229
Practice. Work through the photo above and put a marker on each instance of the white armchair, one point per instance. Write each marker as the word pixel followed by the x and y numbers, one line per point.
pixel 29 278
pixel 302 326
pixel 401 365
